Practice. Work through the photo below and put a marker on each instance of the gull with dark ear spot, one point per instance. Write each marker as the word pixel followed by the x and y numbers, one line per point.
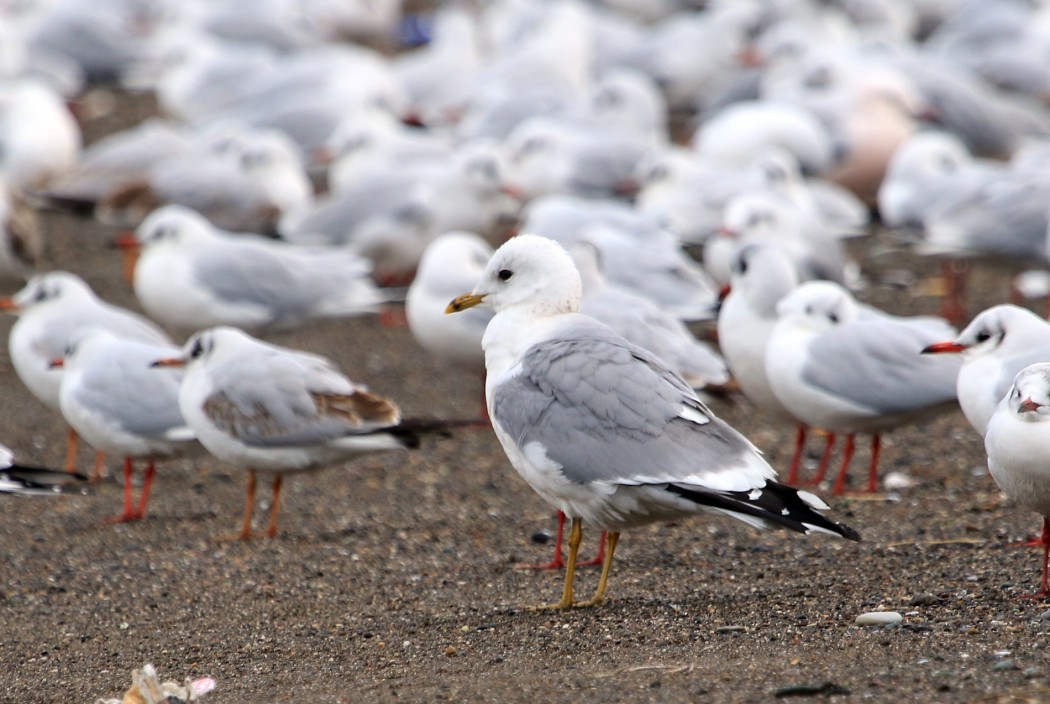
pixel 604 430
pixel 850 369
pixel 52 308
pixel 994 347
pixel 276 411
pixel 1018 447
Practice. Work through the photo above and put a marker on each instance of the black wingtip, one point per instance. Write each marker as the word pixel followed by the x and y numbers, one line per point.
pixel 776 504
pixel 411 430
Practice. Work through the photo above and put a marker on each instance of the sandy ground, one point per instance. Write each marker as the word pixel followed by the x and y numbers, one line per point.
pixel 394 577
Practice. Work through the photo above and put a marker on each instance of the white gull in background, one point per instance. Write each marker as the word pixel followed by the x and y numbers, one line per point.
pixel 644 324
pixel 246 182
pixel 115 402
pixel 39 138
pixel 1018 444
pixel 451 263
pixel 276 411
pixel 995 346
pixel 603 430
pixel 760 276
pixel 190 276
pixel 636 252
pixel 51 309
pixel 847 373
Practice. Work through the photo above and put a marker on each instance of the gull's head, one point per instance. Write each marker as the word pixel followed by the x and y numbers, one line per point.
pixel 527 272
pixel 1029 397
pixel 763 273
pixel 52 287
pixel 817 306
pixel 205 346
pixel 173 225
pixel 1003 327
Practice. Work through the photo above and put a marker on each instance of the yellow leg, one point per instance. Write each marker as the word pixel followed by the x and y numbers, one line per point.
pixel 575 536
pixel 611 538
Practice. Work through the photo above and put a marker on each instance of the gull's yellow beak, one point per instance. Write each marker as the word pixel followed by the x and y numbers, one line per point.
pixel 467 300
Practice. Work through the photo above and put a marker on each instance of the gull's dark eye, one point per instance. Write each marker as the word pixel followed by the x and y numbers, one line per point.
pixel 982 336
pixel 505 274
pixel 833 318
pixel 197 350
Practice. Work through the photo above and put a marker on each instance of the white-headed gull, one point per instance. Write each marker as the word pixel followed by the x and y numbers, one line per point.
pixel 114 401
pixel 190 276
pixel 603 430
pixel 845 372
pixel 995 346
pixel 1018 447
pixel 273 410
pixel 51 309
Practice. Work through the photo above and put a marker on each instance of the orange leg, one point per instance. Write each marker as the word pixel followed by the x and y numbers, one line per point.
pixel 249 507
pixel 796 459
pixel 277 480
pixel 847 457
pixel 100 466
pixel 71 450
pixel 129 511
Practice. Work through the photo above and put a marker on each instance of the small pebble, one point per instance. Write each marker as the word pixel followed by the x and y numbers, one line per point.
pixel 925 600
pixel 729 629
pixel 1045 616
pixel 895 481
pixel 1031 672
pixel 878 618
pixel 450 651
pixel 1004 665
pixel 541 537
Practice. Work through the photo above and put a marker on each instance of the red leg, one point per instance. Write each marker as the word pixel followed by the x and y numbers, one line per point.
pixel 147 484
pixel 847 457
pixel 598 559
pixel 275 507
pixel 825 459
pixel 392 315
pixel 129 512
pixel 796 459
pixel 558 562
pixel 1044 586
pixel 249 507
pixel 873 472
pixel 953 305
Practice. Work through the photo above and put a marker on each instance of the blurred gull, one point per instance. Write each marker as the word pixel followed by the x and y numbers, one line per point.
pixel 603 430
pixel 21 241
pixel 115 402
pixel 39 138
pixel 52 308
pixel 839 370
pixel 644 324
pixel 20 479
pixel 191 276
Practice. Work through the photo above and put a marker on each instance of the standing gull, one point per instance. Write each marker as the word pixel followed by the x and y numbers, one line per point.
pixel 604 430
pixel 275 410
pixel 1018 445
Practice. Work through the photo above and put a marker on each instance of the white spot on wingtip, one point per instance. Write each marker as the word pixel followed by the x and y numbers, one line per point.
pixel 693 415
pixel 812 500
pixel 755 494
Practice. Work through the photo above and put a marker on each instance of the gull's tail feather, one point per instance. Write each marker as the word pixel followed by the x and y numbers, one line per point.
pixel 771 505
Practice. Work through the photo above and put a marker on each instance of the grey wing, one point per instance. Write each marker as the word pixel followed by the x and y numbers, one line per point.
pixel 242 273
pixel 878 365
pixel 608 411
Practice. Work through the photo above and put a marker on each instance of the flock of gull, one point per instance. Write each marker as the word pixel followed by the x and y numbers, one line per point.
pixel 555 190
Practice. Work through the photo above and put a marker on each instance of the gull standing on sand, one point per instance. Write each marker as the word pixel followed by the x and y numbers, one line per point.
pixel 995 346
pixel 1018 447
pixel 120 406
pixel 277 411
pixel 603 430
pixel 839 369
pixel 51 309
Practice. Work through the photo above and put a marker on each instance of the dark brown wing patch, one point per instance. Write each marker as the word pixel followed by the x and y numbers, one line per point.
pixel 357 408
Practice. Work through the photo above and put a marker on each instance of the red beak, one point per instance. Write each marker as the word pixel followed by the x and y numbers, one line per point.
pixel 56 363
pixel 169 362
pixel 1029 405
pixel 943 348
